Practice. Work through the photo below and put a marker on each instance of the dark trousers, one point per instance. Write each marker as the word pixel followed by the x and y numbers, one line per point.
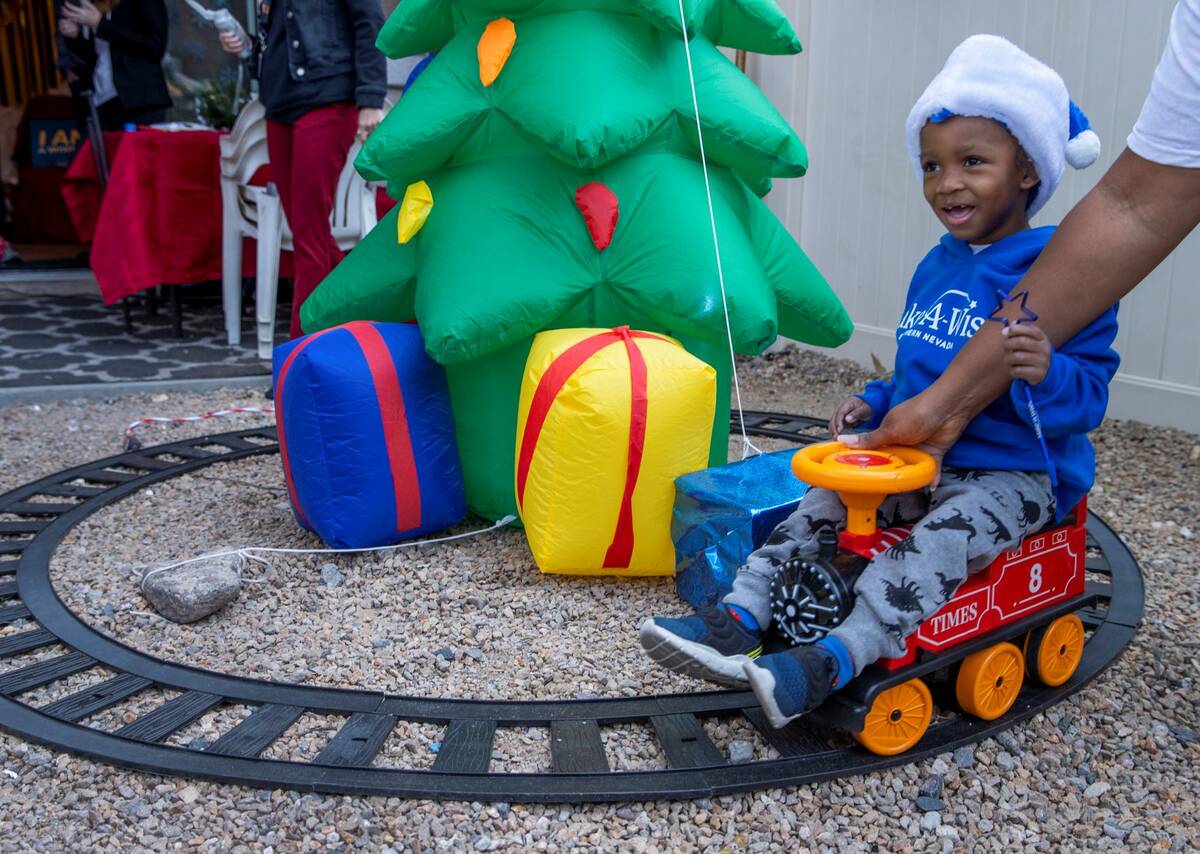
pixel 307 157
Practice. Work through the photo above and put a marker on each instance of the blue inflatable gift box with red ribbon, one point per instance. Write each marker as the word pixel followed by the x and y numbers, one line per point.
pixel 724 513
pixel 366 435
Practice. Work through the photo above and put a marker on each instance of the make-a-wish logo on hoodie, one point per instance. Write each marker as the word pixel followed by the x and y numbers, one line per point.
pixel 947 323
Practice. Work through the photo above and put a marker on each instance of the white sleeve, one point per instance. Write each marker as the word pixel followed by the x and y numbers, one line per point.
pixel 1168 129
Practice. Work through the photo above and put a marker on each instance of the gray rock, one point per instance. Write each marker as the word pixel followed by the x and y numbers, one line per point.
pixel 445 653
pixel 1004 761
pixel 381 643
pixel 928 804
pixel 1116 830
pixel 37 757
pixel 740 752
pixel 1097 789
pixel 964 757
pixel 932 788
pixel 931 821
pixel 1185 735
pixel 191 592
pixel 1009 743
pixel 331 576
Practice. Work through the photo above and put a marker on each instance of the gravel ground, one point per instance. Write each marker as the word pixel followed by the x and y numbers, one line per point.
pixel 1115 767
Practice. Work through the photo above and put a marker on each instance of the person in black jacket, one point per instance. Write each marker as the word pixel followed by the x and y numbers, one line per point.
pixel 322 82
pixel 118 56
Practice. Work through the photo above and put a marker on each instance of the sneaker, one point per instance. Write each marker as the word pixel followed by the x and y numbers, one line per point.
pixel 712 645
pixel 792 683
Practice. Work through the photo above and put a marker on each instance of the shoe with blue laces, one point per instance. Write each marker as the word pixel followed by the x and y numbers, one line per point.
pixel 713 644
pixel 794 682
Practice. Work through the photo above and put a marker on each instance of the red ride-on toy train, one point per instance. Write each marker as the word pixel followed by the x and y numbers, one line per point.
pixel 1014 618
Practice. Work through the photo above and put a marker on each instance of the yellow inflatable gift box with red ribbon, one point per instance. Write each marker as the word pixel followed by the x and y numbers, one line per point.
pixel 608 419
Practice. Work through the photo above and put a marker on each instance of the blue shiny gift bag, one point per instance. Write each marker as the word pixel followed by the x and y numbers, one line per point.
pixel 724 513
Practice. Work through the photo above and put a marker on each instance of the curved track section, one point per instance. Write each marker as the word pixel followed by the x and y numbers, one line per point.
pixel 42 513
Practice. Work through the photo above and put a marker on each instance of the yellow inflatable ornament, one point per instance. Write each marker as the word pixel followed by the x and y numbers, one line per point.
pixel 608 419
pixel 414 210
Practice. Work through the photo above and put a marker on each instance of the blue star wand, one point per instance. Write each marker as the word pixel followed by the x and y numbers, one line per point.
pixel 1027 314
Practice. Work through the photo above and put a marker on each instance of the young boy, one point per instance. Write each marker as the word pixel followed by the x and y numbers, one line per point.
pixel 988 138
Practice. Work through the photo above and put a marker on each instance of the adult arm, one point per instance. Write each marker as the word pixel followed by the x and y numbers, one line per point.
pixel 148 40
pixel 370 66
pixel 1110 241
pixel 69 58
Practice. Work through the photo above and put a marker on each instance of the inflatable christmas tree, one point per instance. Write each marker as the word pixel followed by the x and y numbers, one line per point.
pixel 549 165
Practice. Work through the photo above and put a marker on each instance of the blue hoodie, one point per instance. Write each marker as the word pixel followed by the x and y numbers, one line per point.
pixel 952 293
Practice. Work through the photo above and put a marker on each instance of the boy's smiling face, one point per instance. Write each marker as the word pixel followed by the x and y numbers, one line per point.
pixel 977 179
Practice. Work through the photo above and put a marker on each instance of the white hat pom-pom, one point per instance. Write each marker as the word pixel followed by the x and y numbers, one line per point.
pixel 1083 149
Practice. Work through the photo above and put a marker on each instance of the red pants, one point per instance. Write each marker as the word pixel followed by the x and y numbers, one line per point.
pixel 307 157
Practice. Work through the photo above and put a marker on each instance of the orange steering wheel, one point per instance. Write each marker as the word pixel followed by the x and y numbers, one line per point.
pixel 862 478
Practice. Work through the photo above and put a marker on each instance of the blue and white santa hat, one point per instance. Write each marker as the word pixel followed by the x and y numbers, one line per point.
pixel 989 76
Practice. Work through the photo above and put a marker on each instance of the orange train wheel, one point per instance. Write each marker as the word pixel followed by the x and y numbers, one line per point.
pixel 897 719
pixel 1056 650
pixel 989 681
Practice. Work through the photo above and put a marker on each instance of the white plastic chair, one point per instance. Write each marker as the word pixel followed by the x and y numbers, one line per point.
pixel 257 212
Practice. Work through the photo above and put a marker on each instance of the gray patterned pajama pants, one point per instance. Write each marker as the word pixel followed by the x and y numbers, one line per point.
pixel 960 527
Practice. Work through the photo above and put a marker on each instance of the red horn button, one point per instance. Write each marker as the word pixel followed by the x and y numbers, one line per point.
pixel 864 459
pixel 598 204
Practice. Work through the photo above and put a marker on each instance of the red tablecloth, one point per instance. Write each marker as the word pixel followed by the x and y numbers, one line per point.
pixel 160 219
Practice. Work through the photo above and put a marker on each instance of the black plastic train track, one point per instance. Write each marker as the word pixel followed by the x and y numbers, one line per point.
pixel 42 513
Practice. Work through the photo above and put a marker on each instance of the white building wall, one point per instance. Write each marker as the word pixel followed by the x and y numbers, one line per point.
pixel 859 212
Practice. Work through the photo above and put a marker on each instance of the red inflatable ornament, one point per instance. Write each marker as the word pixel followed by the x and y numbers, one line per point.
pixel 598 204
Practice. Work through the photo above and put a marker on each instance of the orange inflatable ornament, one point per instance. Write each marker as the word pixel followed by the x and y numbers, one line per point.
pixel 495 45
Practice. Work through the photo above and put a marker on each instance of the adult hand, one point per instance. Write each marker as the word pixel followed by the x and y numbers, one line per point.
pixel 921 422
pixel 853 410
pixel 68 28
pixel 368 119
pixel 1027 352
pixel 82 13
pixel 231 43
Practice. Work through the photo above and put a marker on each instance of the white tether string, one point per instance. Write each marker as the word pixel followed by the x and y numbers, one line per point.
pixel 747 445
pixel 248 552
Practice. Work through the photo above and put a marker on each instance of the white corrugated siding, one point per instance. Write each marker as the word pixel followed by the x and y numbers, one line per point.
pixel 859 212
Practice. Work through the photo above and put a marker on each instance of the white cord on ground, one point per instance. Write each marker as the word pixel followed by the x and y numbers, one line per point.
pixel 747 445
pixel 248 552
pixel 184 419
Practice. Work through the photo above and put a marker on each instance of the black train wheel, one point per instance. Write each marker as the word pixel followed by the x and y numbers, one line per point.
pixel 807 600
